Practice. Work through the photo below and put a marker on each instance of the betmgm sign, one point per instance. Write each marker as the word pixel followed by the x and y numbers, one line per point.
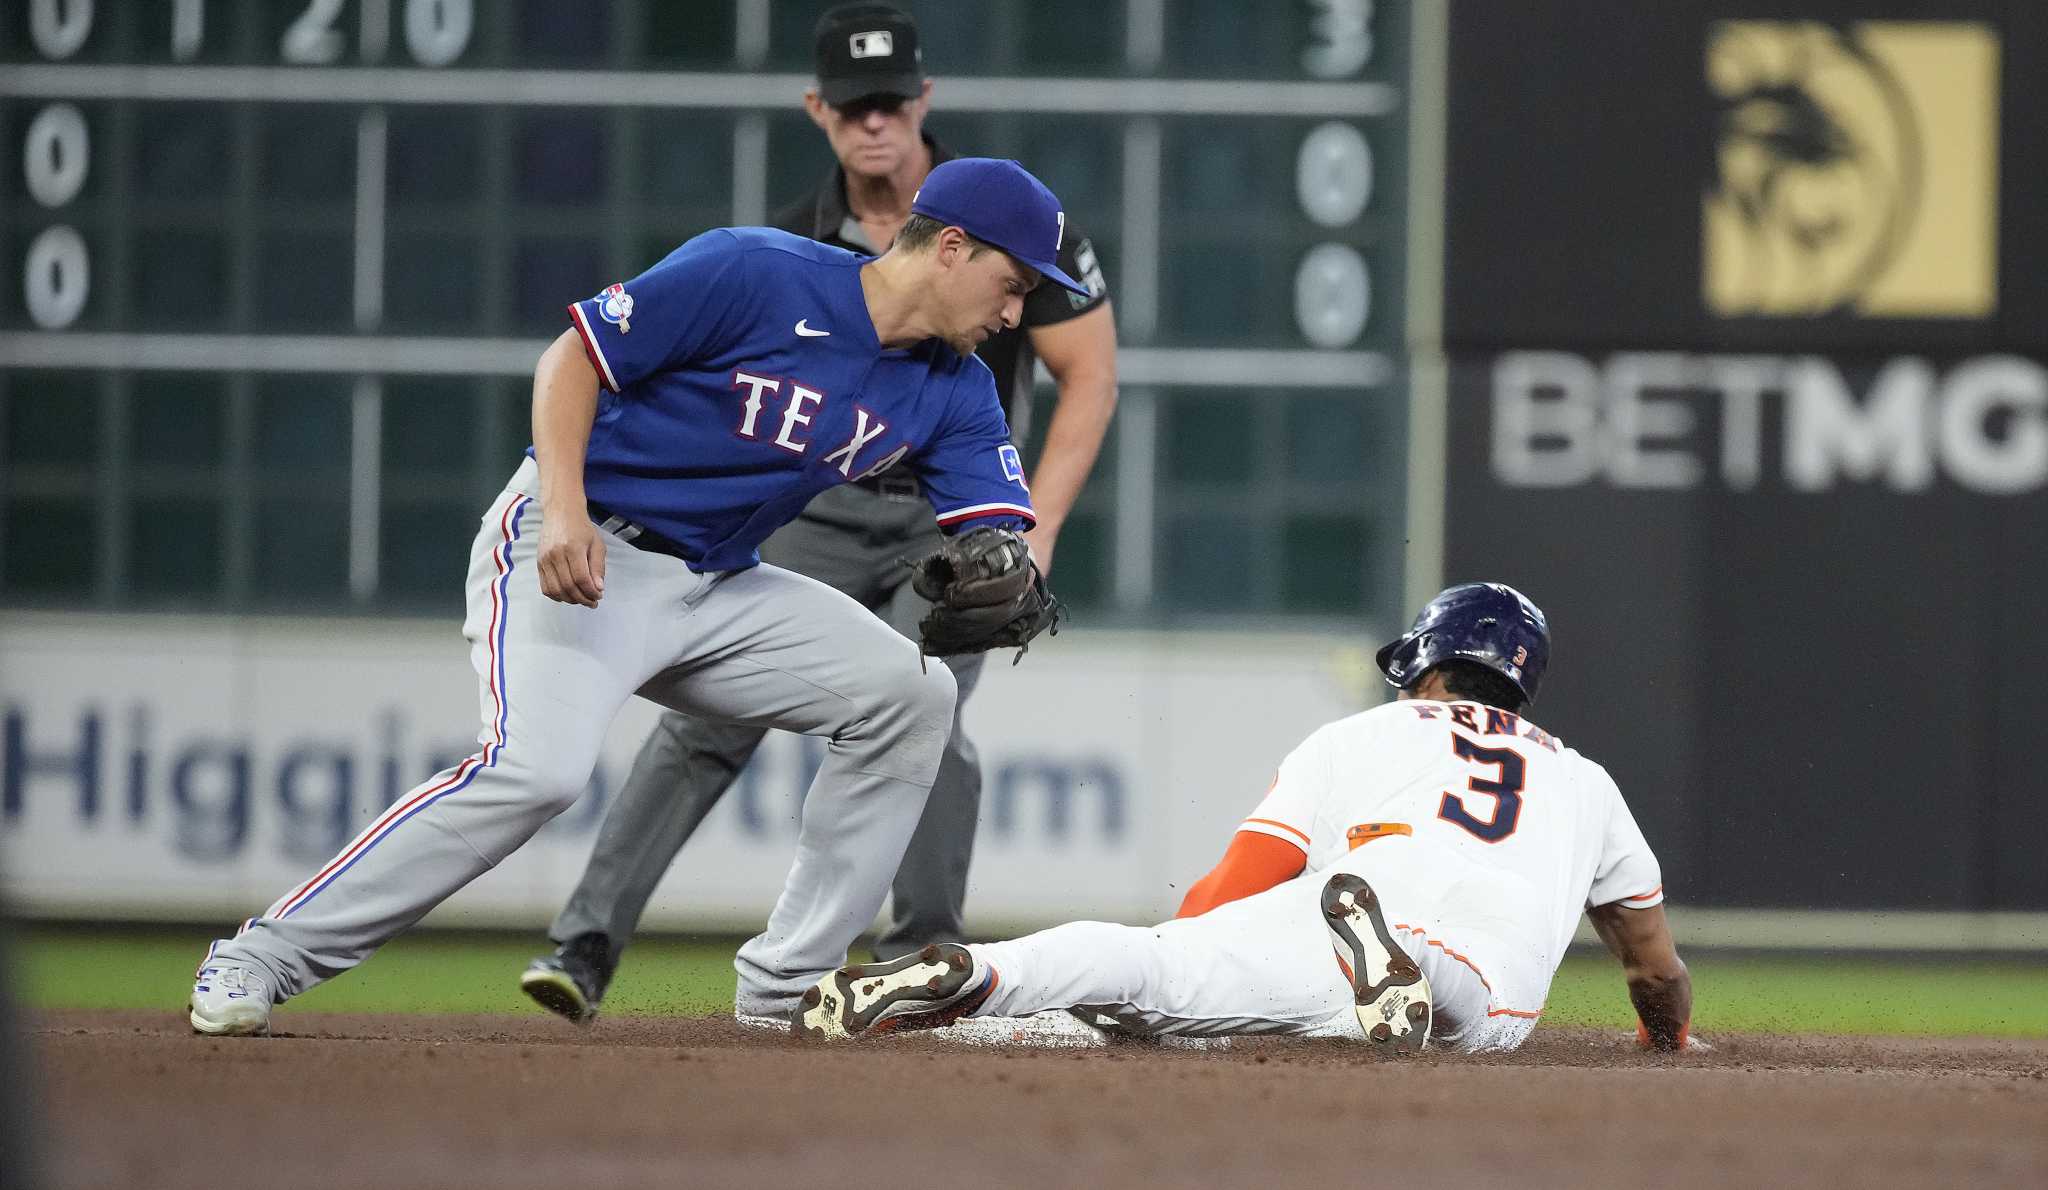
pixel 1854 170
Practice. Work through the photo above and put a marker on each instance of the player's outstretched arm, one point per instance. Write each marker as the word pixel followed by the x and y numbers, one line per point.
pixel 564 405
pixel 1081 355
pixel 1252 864
pixel 1658 982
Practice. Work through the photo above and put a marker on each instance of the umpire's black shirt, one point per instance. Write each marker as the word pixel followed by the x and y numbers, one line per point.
pixel 823 215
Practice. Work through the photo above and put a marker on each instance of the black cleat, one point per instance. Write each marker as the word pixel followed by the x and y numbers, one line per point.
pixel 1390 991
pixel 571 982
pixel 932 988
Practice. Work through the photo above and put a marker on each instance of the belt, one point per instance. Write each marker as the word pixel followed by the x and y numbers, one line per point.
pixel 640 537
pixel 892 484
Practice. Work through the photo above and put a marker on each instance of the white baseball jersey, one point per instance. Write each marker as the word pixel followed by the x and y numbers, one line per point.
pixel 1488 785
pixel 1483 836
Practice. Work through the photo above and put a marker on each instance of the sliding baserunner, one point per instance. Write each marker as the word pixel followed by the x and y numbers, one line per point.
pixel 1415 873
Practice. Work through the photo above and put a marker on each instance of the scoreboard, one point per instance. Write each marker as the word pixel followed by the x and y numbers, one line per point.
pixel 274 273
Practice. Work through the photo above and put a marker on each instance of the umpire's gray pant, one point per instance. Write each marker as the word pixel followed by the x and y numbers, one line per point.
pixel 855 540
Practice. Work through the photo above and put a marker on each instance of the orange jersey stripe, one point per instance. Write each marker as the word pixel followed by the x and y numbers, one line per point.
pixel 1645 896
pixel 1283 826
pixel 1516 1012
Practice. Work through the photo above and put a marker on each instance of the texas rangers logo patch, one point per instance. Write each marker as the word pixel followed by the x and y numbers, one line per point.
pixel 1013 465
pixel 615 305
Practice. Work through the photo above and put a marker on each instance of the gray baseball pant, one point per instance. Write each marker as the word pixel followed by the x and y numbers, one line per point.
pixel 856 541
pixel 762 647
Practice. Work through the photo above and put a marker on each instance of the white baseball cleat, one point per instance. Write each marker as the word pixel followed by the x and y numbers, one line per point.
pixel 230 1001
pixel 1389 991
pixel 934 987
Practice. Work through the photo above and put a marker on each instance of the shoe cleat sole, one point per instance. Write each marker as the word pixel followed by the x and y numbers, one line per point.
pixel 553 989
pixel 1389 991
pixel 857 1000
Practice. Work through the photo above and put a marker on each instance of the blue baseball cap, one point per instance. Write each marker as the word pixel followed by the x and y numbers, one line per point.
pixel 1000 203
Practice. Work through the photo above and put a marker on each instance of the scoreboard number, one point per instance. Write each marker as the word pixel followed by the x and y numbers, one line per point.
pixel 436 31
pixel 55 154
pixel 59 27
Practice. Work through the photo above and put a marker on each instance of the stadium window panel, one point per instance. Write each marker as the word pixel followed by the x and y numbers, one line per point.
pixel 514 425
pixel 1221 166
pixel 308 154
pixel 549 272
pixel 961 38
pixel 1071 37
pixel 180 279
pixel 686 160
pixel 552 33
pixel 1208 561
pixel 687 36
pixel 436 157
pixel 1216 292
pixel 430 283
pixel 53 419
pixel 974 134
pixel 1082 160
pixel 301 548
pixel 174 548
pixel 1323 564
pixel 423 553
pixel 51 547
pixel 428 422
pixel 182 153
pixel 303 281
pixel 1232 39
pixel 178 419
pixel 304 425
pixel 798 157
pixel 1327 446
pixel 1208 441
pixel 562 156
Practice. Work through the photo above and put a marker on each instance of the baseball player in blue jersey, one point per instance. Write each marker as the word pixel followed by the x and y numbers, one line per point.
pixel 689 413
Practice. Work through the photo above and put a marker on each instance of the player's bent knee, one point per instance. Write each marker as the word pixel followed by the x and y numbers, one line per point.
pixel 555 784
pixel 930 693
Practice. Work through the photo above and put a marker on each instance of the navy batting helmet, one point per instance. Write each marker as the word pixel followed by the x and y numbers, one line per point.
pixel 1490 623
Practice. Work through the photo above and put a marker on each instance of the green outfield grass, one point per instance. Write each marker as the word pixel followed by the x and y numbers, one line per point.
pixel 84 967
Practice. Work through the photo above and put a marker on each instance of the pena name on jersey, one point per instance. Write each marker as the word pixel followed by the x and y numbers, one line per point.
pixel 742 375
pixel 1489 786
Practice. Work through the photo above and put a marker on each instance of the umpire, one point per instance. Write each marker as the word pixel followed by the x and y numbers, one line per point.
pixel 870 101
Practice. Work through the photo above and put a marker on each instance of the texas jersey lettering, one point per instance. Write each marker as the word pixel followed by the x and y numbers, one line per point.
pixel 742 376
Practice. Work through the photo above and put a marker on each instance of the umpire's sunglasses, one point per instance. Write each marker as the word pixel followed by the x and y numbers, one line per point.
pixel 858 109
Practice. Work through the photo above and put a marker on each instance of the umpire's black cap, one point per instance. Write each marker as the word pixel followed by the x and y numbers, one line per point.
pixel 868 49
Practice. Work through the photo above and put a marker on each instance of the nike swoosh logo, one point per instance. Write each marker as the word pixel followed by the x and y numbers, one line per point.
pixel 807 332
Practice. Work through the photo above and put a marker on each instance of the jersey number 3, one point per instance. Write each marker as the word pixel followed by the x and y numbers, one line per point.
pixel 1506 792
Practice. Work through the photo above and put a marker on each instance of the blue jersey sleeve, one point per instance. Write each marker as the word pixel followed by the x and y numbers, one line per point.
pixel 971 472
pixel 684 307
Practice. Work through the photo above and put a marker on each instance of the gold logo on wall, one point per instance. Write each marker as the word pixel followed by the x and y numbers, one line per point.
pixel 1856 170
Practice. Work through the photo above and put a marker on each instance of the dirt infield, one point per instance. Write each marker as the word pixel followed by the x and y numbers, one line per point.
pixel 133 1099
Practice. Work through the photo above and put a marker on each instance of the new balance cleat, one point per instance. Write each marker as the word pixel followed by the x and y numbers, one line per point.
pixel 571 982
pixel 229 1001
pixel 932 988
pixel 1388 989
